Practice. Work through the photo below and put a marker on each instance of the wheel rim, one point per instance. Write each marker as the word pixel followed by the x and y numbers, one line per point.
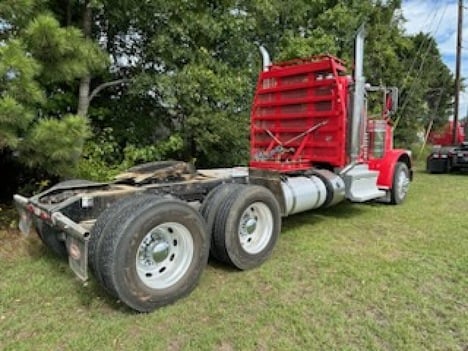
pixel 402 184
pixel 164 255
pixel 256 227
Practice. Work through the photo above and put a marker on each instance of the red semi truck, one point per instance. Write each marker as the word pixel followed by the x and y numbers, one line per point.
pixel 147 235
pixel 447 155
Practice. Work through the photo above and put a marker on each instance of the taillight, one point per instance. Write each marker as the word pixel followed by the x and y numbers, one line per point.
pixel 45 216
pixel 38 212
pixel 439 155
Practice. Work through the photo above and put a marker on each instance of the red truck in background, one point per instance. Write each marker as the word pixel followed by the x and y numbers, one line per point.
pixel 447 156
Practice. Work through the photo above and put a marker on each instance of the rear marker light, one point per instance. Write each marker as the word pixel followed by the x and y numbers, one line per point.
pixel 87 202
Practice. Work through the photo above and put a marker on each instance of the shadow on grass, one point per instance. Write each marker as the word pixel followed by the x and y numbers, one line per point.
pixel 340 211
pixel 422 171
pixel 89 293
pixel 218 265
pixel 343 210
pixel 92 295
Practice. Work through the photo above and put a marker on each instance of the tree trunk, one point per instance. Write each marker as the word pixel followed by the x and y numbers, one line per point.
pixel 83 98
pixel 69 13
pixel 85 82
pixel 85 94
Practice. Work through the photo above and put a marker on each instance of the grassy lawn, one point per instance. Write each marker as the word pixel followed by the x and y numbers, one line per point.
pixel 352 277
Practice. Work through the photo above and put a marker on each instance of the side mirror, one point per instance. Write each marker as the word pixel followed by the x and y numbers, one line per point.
pixel 391 100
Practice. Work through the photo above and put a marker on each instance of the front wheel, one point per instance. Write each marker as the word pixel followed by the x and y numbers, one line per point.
pixel 401 181
pixel 153 253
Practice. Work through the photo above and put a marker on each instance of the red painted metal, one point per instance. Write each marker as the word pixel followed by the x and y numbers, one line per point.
pixel 299 115
pixel 382 157
pixel 386 166
pixel 444 137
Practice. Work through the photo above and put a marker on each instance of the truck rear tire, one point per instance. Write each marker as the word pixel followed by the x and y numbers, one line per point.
pixel 153 252
pixel 401 181
pixel 209 210
pixel 50 237
pixel 96 237
pixel 247 227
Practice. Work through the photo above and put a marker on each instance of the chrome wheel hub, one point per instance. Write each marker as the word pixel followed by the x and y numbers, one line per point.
pixel 402 184
pixel 164 255
pixel 251 225
pixel 255 227
pixel 160 251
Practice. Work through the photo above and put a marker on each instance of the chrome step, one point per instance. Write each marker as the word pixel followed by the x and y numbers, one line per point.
pixel 361 184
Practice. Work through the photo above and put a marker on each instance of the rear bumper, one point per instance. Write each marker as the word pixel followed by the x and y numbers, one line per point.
pixel 460 161
pixel 76 236
pixel 437 165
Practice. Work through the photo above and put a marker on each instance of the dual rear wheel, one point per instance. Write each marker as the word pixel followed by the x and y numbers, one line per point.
pixel 245 222
pixel 149 251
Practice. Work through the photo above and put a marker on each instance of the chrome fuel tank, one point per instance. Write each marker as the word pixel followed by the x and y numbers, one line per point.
pixel 303 193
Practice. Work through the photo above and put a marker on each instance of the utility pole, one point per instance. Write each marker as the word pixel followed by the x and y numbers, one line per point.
pixel 457 72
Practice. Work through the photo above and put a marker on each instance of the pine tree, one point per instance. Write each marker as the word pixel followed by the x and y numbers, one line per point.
pixel 39 59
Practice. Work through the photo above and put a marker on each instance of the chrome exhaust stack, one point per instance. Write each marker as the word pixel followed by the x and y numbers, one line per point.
pixel 266 61
pixel 359 92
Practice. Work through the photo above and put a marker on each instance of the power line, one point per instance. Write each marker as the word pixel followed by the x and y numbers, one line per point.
pixel 414 85
pixel 421 45
pixel 457 70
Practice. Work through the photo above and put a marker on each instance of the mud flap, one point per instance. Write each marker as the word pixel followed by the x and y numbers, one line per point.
pixel 78 256
pixel 25 221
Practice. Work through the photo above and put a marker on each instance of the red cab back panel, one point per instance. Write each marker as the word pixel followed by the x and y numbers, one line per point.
pixel 299 114
pixel 444 137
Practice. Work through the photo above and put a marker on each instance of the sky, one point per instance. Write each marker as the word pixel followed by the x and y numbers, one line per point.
pixel 439 18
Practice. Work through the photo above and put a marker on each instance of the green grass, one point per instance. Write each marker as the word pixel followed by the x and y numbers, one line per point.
pixel 352 277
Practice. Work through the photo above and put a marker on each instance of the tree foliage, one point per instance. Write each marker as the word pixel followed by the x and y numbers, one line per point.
pixel 39 64
pixel 63 52
pixel 181 74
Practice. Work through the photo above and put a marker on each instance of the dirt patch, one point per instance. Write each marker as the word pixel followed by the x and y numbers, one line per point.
pixel 225 346
pixel 13 244
pixel 8 217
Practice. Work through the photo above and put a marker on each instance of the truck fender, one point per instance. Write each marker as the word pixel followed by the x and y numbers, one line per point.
pixel 386 166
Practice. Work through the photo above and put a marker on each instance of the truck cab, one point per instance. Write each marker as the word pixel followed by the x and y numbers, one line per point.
pixel 146 236
pixel 445 155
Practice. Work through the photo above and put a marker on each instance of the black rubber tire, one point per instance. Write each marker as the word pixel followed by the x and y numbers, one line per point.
pixel 227 226
pixel 120 243
pixel 395 197
pixel 117 212
pixel 430 168
pixel 209 210
pixel 104 219
pixel 50 236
